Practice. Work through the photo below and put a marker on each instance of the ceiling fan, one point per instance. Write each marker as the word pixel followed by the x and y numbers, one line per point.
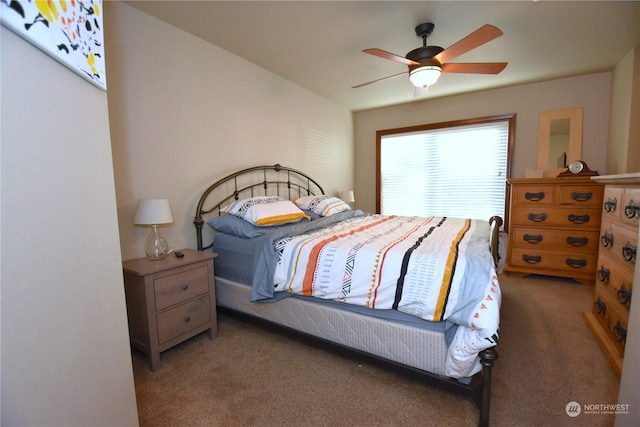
pixel 427 62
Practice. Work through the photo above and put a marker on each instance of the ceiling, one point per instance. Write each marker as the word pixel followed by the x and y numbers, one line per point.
pixel 317 44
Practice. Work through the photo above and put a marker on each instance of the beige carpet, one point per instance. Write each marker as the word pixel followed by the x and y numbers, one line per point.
pixel 250 376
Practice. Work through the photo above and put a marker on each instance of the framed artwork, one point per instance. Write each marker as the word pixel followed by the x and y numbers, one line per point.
pixel 69 31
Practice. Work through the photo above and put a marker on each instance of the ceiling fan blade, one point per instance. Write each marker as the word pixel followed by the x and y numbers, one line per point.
pixel 377 80
pixel 482 35
pixel 390 56
pixel 474 67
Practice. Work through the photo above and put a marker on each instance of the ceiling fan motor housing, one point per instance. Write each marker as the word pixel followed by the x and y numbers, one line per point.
pixel 424 55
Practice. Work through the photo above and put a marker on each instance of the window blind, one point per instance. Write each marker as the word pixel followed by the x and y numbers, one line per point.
pixel 456 171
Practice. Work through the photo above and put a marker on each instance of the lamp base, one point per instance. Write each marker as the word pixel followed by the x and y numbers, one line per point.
pixel 156 247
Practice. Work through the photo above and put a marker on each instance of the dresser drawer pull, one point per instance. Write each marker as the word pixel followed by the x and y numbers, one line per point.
pixel 620 333
pixel 632 209
pixel 604 274
pixel 187 319
pixel 534 197
pixel 606 239
pixel 532 238
pixel 185 287
pixel 577 241
pixel 531 259
pixel 582 197
pixel 576 263
pixel 610 205
pixel 600 307
pixel 624 295
pixel 629 252
pixel 537 217
pixel 578 219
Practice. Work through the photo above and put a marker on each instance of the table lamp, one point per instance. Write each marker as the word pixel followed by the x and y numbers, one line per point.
pixel 154 212
pixel 347 196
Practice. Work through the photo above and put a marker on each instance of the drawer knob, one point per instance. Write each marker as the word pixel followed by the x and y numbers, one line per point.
pixel 576 263
pixel 577 241
pixel 185 287
pixel 582 197
pixel 624 295
pixel 579 219
pixel 187 319
pixel 532 238
pixel 629 252
pixel 620 333
pixel 531 259
pixel 534 197
pixel 610 205
pixel 606 239
pixel 604 274
pixel 632 209
pixel 537 217
pixel 600 307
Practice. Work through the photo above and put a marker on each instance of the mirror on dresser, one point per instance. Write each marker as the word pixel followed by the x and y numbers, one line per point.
pixel 559 140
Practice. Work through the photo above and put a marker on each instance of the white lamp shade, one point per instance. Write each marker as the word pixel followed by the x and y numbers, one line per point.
pixel 425 76
pixel 347 196
pixel 153 212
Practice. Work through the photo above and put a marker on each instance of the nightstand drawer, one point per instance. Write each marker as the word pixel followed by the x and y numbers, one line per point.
pixel 176 288
pixel 183 318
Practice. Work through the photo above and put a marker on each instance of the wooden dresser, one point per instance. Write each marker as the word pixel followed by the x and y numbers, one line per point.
pixel 609 314
pixel 554 226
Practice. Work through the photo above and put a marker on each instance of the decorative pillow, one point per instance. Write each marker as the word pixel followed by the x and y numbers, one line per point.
pixel 267 210
pixel 322 205
pixel 231 224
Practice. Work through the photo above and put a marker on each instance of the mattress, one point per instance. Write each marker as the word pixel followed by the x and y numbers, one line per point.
pixel 235 254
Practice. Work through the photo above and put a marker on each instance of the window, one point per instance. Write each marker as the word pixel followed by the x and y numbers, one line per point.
pixel 456 169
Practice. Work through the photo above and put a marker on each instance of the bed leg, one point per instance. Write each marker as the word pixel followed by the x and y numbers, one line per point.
pixel 487 359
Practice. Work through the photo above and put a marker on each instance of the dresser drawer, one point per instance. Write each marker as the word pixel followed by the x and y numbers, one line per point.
pixel 571 262
pixel 175 288
pixel 620 244
pixel 570 240
pixel 580 196
pixel 570 218
pixel 532 195
pixel 175 322
pixel 612 203
pixel 613 323
pixel 630 209
pixel 617 281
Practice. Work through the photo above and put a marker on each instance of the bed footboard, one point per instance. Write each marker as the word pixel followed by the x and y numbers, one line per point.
pixel 494 238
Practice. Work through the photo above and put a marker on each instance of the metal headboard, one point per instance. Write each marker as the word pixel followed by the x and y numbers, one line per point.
pixel 273 180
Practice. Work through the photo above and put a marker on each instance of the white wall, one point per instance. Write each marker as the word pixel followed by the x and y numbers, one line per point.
pixel 65 346
pixel 624 151
pixel 592 92
pixel 185 113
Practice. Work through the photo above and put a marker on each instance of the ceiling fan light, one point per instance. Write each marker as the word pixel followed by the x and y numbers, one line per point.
pixel 425 76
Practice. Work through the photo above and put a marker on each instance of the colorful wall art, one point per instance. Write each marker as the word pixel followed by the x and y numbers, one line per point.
pixel 70 31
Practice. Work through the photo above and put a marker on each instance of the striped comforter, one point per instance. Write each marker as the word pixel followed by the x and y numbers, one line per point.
pixel 433 268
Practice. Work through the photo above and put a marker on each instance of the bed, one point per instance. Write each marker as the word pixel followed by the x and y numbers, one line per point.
pixel 418 293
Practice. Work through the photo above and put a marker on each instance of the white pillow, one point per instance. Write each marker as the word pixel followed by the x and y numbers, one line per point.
pixel 322 205
pixel 267 210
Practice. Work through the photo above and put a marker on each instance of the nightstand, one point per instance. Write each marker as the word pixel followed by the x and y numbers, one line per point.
pixel 169 301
